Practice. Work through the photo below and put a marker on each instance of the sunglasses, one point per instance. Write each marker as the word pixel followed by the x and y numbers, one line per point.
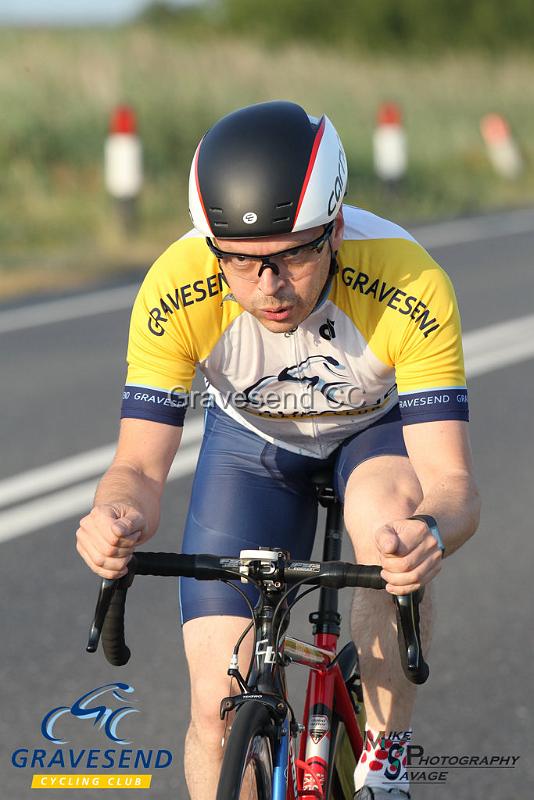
pixel 293 263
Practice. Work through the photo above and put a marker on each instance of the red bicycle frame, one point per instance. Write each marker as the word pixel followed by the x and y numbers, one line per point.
pixel 327 695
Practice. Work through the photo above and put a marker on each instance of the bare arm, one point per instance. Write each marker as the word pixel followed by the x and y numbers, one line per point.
pixel 127 502
pixel 440 454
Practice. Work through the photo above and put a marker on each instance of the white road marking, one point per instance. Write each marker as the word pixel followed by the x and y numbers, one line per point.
pixel 72 502
pixel 476 229
pixel 499 345
pixel 440 234
pixel 486 349
pixel 75 307
pixel 69 470
pixel 59 473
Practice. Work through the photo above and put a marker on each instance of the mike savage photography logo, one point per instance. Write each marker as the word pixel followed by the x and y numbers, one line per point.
pixel 402 760
pixel 108 710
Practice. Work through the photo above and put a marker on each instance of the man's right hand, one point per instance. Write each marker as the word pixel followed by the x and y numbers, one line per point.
pixel 107 537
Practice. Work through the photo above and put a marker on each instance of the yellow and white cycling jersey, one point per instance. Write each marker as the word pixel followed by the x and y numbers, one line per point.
pixel 388 331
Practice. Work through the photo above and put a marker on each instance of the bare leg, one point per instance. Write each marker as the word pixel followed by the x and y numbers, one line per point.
pixel 209 642
pixel 381 490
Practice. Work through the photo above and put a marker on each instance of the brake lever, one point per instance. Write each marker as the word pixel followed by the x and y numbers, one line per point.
pixel 409 636
pixel 107 587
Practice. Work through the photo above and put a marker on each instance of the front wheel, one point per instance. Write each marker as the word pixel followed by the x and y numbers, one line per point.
pixel 341 783
pixel 247 767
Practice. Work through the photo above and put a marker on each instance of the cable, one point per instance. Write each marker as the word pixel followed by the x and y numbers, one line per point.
pixel 252 621
pixel 239 641
pixel 241 592
pixel 288 609
pixel 286 595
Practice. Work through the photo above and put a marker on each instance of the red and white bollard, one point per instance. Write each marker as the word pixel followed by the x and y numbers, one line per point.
pixel 503 151
pixel 123 161
pixel 389 145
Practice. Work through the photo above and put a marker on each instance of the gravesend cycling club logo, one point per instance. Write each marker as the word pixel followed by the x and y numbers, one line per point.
pixel 107 718
pixel 108 710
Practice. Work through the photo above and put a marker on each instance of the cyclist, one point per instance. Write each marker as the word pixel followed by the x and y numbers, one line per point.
pixel 327 336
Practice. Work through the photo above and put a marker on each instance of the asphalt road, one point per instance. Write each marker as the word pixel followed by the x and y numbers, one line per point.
pixel 61 394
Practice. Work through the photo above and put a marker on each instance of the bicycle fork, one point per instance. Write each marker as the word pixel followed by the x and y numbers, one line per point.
pixel 285 786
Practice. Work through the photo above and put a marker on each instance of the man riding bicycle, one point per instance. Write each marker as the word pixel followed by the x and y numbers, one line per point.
pixel 327 337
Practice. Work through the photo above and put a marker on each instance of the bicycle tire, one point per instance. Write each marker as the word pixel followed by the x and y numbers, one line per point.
pixel 340 783
pixel 248 755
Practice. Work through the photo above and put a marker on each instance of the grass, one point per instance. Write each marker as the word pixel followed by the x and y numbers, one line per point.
pixel 59 88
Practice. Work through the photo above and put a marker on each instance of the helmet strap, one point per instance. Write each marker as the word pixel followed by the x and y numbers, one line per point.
pixel 334 266
pixel 334 269
pixel 223 276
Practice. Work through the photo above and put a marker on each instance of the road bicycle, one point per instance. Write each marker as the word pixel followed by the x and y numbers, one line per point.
pixel 260 758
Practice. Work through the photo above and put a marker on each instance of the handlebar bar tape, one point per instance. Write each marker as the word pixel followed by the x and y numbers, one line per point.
pixel 365 576
pixel 115 648
pixel 201 566
pixel 109 620
pixel 409 637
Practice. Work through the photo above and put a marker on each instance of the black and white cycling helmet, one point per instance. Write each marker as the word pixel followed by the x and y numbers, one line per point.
pixel 267 169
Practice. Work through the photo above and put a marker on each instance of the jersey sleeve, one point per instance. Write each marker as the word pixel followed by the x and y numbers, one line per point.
pixel 428 354
pixel 404 306
pixel 161 358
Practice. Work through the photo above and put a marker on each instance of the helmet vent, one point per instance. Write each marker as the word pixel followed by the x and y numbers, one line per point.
pixel 280 219
pixel 220 224
pixel 284 205
pixel 216 210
